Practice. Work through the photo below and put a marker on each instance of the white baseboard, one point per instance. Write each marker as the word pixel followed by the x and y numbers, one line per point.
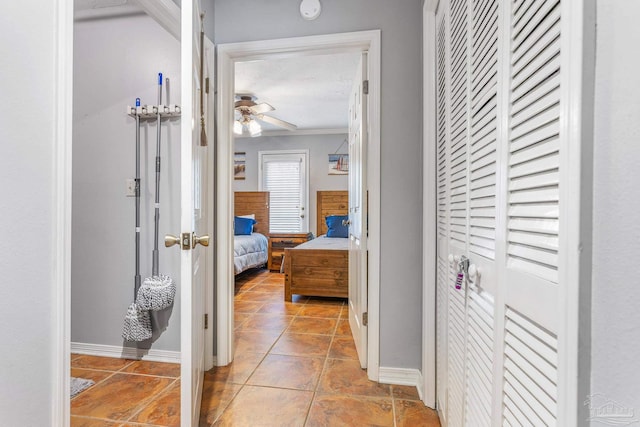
pixel 402 376
pixel 126 352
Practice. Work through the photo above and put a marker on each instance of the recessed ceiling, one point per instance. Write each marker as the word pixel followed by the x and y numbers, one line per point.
pixel 311 92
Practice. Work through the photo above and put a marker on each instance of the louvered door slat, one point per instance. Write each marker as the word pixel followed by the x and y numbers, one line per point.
pixel 529 415
pixel 479 358
pixel 535 211
pixel 553 82
pixel 483 189
pixel 536 159
pixel 483 222
pixel 542 179
pixel 520 7
pixel 549 242
pixel 542 41
pixel 538 77
pixel 535 109
pixel 483 114
pixel 525 28
pixel 537 375
pixel 484 38
pixel 535 396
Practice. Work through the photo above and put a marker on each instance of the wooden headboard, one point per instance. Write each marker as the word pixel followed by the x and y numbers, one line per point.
pixel 254 202
pixel 330 203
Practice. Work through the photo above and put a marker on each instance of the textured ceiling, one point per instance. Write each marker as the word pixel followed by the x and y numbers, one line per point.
pixel 311 92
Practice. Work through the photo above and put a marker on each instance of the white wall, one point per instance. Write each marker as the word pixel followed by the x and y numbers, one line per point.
pixel 401 141
pixel 319 146
pixel 27 141
pixel 115 61
pixel 616 234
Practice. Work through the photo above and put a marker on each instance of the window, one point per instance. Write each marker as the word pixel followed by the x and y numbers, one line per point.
pixel 284 175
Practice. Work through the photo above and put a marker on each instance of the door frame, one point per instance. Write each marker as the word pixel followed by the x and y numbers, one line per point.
pixel 228 55
pixel 61 216
pixel 429 208
pixel 209 360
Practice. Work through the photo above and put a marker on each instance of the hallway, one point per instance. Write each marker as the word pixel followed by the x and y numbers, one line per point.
pixel 296 364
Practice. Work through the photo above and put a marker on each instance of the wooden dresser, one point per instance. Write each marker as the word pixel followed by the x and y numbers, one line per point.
pixel 278 242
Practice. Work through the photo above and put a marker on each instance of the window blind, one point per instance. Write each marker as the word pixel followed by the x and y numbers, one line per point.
pixel 282 179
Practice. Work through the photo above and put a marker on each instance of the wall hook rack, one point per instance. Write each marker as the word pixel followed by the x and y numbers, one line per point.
pixel 147 112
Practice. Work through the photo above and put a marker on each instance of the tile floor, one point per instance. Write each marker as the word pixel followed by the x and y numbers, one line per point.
pixel 126 393
pixel 295 365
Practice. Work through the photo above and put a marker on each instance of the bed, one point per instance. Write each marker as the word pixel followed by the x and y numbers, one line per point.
pixel 320 267
pixel 250 251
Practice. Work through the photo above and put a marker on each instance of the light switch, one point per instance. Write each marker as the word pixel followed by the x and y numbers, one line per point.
pixel 131 187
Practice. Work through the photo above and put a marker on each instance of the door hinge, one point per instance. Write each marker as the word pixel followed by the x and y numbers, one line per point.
pixel 365 87
pixel 365 319
pixel 185 241
pixel 206 85
pixel 206 320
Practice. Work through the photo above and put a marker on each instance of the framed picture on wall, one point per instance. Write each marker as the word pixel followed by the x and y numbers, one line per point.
pixel 338 164
pixel 239 164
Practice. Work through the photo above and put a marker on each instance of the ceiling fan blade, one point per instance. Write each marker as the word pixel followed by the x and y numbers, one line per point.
pixel 263 107
pixel 277 122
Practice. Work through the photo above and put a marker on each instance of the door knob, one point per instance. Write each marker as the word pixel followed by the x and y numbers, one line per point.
pixel 203 240
pixel 170 240
pixel 474 272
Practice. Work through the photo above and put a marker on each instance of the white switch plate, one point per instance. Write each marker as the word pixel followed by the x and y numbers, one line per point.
pixel 131 187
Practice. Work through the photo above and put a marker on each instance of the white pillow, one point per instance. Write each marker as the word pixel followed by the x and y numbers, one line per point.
pixel 251 216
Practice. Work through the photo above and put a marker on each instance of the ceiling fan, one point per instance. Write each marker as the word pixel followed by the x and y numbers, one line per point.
pixel 248 112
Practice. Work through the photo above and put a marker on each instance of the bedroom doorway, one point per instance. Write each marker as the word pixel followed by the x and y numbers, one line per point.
pixel 360 42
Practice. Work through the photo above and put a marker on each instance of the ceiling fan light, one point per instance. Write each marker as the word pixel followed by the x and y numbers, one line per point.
pixel 237 127
pixel 254 128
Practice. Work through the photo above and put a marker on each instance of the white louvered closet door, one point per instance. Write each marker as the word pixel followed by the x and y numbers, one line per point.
pixel 442 274
pixel 534 145
pixel 466 119
pixel 501 146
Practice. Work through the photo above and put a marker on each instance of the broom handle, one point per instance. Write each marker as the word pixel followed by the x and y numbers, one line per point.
pixel 137 277
pixel 157 209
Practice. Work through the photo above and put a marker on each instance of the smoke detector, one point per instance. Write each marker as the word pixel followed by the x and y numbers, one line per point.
pixel 310 9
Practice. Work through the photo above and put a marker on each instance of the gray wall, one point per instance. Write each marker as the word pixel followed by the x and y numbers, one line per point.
pixel 319 146
pixel 27 141
pixel 401 142
pixel 113 65
pixel 616 234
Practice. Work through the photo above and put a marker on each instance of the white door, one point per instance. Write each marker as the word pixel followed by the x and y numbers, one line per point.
pixel 193 221
pixel 503 168
pixel 284 174
pixel 357 212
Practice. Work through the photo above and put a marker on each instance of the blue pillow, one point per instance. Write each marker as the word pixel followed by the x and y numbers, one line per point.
pixel 336 229
pixel 243 225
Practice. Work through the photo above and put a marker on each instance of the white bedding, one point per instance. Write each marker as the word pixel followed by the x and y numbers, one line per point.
pixel 324 242
pixel 249 251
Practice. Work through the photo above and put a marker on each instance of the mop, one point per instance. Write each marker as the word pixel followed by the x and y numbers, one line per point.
pixel 137 322
pixel 156 292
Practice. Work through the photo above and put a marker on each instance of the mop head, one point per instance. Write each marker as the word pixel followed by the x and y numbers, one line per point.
pixel 156 293
pixel 137 324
